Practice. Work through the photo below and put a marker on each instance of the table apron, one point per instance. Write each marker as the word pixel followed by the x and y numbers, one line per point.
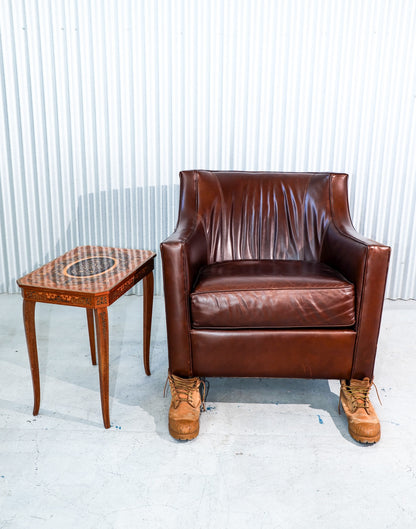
pixel 129 282
pixel 66 298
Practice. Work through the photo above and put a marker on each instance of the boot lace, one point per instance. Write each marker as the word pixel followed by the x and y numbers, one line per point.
pixel 182 389
pixel 359 391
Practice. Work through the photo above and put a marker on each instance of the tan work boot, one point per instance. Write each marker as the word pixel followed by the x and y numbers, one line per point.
pixel 363 423
pixel 185 407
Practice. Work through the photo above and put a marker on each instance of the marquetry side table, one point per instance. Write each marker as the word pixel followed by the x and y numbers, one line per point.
pixel 92 277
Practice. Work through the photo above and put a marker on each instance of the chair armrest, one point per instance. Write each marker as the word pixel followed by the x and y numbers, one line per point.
pixel 365 264
pixel 183 254
pixel 350 253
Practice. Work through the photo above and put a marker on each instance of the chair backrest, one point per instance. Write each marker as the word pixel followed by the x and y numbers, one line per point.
pixel 260 215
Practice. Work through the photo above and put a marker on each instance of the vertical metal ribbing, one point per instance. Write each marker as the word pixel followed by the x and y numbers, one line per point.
pixel 103 103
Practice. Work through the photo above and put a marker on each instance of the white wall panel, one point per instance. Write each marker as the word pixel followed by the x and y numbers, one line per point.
pixel 103 103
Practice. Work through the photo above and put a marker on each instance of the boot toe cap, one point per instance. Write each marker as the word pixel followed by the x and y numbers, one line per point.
pixel 183 429
pixel 365 432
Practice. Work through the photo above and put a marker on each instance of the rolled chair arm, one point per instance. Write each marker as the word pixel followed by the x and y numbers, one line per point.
pixel 183 254
pixel 363 262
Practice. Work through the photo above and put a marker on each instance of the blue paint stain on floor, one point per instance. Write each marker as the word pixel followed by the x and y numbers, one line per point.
pixel 209 408
pixel 320 420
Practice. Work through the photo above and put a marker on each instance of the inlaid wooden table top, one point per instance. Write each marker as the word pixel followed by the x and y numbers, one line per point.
pixel 87 276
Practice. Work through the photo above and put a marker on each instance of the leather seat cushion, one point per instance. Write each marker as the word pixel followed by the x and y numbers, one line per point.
pixel 271 294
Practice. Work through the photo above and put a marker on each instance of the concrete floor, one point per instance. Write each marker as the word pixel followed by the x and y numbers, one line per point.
pixel 270 454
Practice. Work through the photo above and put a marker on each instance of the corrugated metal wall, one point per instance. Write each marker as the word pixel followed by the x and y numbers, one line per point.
pixel 102 103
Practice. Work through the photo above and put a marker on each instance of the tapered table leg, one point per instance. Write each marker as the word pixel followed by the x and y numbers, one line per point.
pixel 101 322
pixel 147 318
pixel 29 320
pixel 91 334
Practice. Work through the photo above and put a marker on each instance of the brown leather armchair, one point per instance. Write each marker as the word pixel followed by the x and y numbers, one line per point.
pixel 265 276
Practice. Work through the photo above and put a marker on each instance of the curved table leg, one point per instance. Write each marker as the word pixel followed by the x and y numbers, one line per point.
pixel 91 334
pixel 29 321
pixel 147 318
pixel 101 321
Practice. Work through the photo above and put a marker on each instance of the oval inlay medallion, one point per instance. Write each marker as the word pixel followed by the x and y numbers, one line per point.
pixel 90 267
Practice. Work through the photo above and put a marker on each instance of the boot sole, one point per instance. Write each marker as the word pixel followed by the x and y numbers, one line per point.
pixel 365 440
pixel 183 436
